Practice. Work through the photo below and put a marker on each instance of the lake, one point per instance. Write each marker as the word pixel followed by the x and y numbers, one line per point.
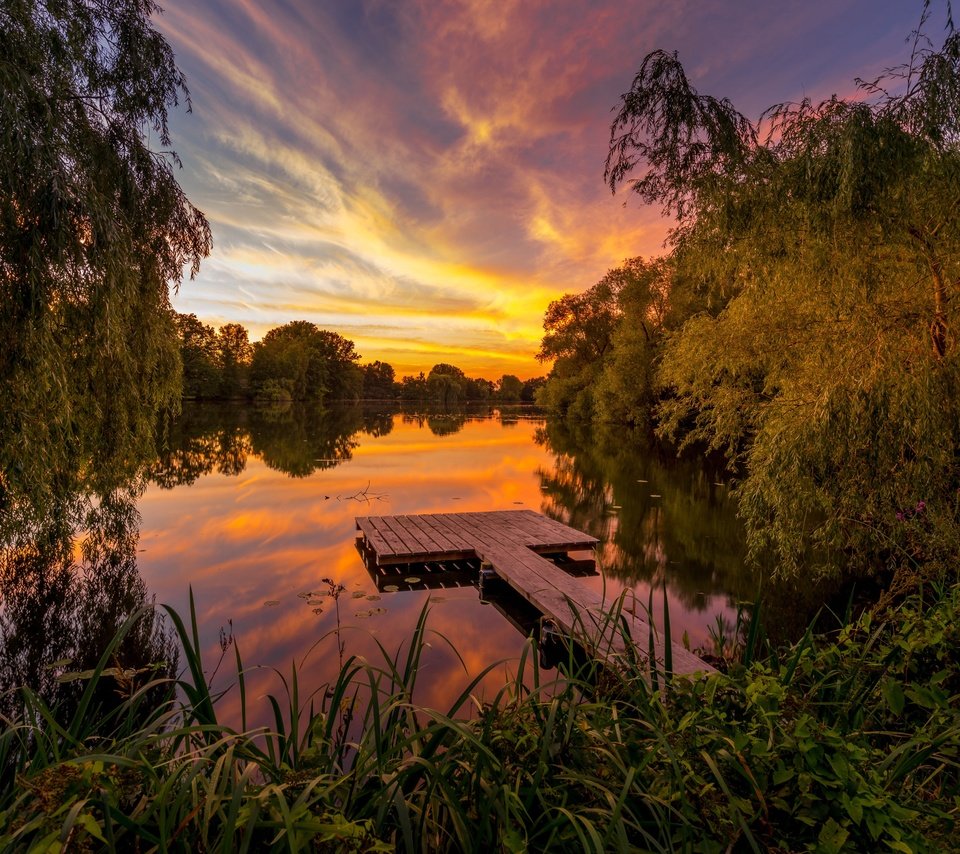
pixel 253 510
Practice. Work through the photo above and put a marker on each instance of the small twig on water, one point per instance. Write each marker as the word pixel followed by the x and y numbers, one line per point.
pixel 363 495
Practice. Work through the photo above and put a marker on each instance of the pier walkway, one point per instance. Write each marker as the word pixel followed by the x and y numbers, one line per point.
pixel 513 543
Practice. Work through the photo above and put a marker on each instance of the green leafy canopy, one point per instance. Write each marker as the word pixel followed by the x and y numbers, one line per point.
pixel 817 251
pixel 94 229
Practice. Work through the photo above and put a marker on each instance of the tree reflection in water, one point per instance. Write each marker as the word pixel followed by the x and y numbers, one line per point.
pixel 661 518
pixel 68 563
pixel 68 582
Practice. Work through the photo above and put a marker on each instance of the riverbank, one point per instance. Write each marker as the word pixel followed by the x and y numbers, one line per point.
pixel 848 741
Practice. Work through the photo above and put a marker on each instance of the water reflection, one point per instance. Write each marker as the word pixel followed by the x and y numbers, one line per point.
pixel 657 517
pixel 67 585
pixel 253 507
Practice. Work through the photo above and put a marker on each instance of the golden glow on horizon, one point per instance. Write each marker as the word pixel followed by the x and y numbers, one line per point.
pixel 425 178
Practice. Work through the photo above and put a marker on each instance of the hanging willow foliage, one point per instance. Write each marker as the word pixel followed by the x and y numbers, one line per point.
pixel 825 242
pixel 94 229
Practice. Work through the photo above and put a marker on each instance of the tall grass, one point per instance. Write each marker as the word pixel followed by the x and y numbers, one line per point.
pixel 847 743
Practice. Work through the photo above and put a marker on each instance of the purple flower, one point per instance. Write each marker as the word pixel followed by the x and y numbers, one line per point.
pixel 900 516
pixel 921 506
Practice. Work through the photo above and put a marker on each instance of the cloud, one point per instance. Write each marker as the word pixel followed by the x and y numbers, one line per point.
pixel 437 164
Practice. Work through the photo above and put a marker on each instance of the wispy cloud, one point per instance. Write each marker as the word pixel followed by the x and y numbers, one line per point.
pixel 426 175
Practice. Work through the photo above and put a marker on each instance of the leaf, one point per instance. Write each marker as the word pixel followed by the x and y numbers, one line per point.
pixel 832 837
pixel 390 588
pixel 412 580
pixel 894 696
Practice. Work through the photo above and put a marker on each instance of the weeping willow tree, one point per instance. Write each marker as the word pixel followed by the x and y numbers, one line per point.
pixel 94 229
pixel 823 242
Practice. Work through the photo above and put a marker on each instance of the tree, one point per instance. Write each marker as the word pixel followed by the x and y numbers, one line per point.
pixel 414 388
pixel 344 377
pixel 378 381
pixel 235 354
pixel 93 230
pixel 530 389
pixel 200 354
pixel 578 335
pixel 302 362
pixel 479 389
pixel 292 357
pixel 509 388
pixel 824 243
pixel 446 385
pixel 650 303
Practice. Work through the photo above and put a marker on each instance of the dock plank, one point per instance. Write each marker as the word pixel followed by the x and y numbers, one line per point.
pixel 509 541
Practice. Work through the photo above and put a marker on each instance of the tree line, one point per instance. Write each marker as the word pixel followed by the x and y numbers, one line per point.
pixel 299 361
pixel 803 319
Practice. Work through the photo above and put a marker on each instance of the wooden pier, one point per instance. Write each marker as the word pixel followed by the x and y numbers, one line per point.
pixel 512 543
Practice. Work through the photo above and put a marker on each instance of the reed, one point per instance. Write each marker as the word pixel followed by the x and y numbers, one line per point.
pixel 851 743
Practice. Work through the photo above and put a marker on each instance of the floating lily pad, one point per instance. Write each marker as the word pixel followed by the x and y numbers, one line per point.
pixel 390 588
pixel 271 603
pixel 655 495
pixel 305 595
pixel 315 602
pixel 371 613
pixel 643 481
pixel 615 507
pixel 358 594
pixel 438 598
pixel 318 610
pixel 412 580
pixel 373 598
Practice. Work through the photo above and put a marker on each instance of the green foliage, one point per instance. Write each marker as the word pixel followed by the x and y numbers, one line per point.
pixel 234 352
pixel 93 230
pixel 446 385
pixel 309 363
pixel 605 342
pixel 811 284
pixel 848 744
pixel 199 353
pixel 509 388
pixel 378 381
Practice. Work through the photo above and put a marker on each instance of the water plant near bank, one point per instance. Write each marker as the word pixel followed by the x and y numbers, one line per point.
pixel 847 742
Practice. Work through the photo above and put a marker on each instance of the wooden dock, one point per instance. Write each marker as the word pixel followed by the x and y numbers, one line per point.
pixel 512 542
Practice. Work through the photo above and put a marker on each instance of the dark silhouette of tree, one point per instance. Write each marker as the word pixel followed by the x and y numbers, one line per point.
pixel 200 354
pixel 235 352
pixel 446 385
pixel 378 381
pixel 509 388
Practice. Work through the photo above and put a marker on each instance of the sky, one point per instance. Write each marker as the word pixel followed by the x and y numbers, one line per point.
pixel 426 176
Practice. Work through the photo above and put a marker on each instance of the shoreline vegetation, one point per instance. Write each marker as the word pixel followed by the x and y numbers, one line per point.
pixel 299 361
pixel 848 740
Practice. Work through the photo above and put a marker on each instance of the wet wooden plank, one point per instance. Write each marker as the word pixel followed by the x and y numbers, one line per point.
pixel 508 540
pixel 375 539
pixel 415 533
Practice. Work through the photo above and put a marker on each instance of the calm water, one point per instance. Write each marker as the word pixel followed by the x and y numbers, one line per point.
pixel 253 509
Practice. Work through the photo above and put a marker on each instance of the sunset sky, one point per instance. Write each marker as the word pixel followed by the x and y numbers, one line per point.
pixel 425 176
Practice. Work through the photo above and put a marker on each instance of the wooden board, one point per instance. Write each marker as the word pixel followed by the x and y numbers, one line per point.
pixel 509 541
